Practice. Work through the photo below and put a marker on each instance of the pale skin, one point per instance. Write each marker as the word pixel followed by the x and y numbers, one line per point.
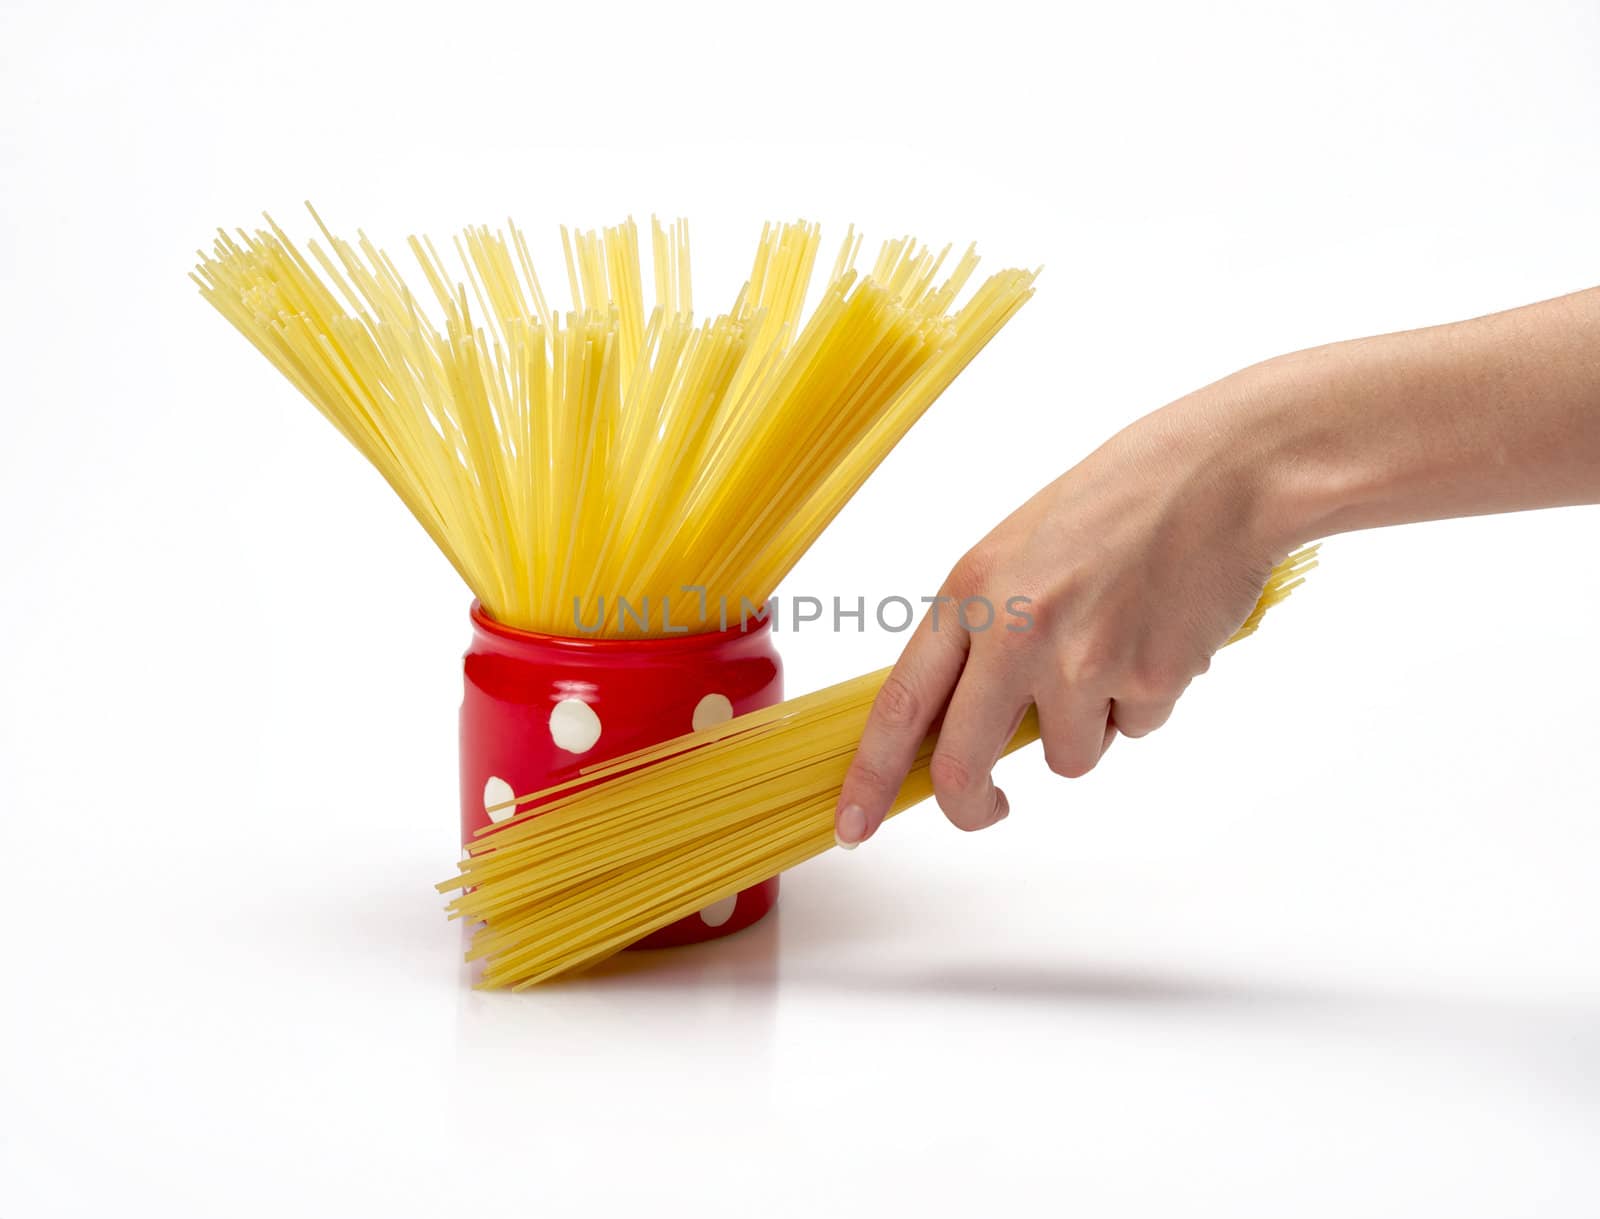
pixel 1145 557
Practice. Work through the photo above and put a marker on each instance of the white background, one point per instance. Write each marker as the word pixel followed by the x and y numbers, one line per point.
pixel 1326 946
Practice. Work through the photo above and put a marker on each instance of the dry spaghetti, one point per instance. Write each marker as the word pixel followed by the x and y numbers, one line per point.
pixel 591 865
pixel 559 460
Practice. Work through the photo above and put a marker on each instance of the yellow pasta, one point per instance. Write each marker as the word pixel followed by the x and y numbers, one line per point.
pixel 561 461
pixel 591 865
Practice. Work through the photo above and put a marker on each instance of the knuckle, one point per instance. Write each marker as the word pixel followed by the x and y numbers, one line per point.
pixel 1088 665
pixel 1135 720
pixel 868 777
pixel 971 573
pixel 897 704
pixel 1155 679
pixel 952 777
pixel 1069 766
pixel 1055 762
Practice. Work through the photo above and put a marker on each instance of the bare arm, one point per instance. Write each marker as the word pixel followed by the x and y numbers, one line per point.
pixel 1143 559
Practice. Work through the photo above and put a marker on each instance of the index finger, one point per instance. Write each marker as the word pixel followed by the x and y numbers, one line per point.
pixel 912 696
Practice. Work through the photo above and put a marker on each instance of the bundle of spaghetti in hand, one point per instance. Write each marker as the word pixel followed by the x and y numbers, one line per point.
pixel 564 461
pixel 590 865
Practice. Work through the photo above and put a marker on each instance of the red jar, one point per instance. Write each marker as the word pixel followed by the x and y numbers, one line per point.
pixel 537 708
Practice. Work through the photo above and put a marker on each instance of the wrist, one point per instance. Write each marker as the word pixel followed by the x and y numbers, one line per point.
pixel 1316 466
pixel 1276 449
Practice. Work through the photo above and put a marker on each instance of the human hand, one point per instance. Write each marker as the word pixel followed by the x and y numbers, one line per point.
pixel 1137 565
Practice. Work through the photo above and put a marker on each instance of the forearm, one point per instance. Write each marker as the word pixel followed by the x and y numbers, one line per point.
pixel 1144 558
pixel 1496 414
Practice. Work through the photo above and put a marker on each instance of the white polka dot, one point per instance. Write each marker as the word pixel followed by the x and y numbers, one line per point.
pixel 711 710
pixel 498 791
pixel 718 913
pixel 574 726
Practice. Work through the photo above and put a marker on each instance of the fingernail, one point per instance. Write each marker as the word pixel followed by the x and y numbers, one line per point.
pixel 851 827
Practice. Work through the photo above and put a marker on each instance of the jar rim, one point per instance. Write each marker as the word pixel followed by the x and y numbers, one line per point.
pixel 653 645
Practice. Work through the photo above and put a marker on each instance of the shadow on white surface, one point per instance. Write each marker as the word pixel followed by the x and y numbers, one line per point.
pixel 747 960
